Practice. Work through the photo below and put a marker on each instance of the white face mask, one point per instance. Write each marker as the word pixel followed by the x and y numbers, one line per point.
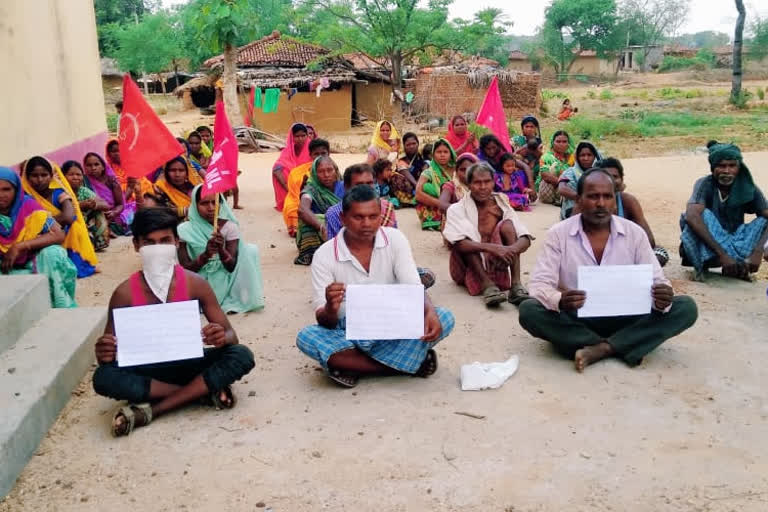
pixel 157 262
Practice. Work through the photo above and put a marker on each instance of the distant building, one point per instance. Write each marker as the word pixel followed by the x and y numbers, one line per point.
pixel 634 58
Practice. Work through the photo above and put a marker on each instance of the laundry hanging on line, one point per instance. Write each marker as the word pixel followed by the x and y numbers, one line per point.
pixel 271 100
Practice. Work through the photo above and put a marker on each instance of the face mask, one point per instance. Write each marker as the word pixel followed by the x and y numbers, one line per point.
pixel 158 262
pixel 726 179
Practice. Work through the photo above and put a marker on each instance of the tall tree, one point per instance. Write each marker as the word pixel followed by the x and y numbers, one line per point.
pixel 485 34
pixel 653 21
pixel 738 41
pixel 151 46
pixel 110 15
pixel 397 29
pixel 571 26
pixel 220 25
pixel 758 44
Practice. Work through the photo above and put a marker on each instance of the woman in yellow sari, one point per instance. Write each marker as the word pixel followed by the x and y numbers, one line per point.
pixel 385 141
pixel 30 241
pixel 174 187
pixel 133 188
pixel 44 181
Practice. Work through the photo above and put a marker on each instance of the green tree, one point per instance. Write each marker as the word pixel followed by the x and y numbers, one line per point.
pixel 485 34
pixel 571 26
pixel 110 15
pixel 151 46
pixel 758 44
pixel 653 21
pixel 397 29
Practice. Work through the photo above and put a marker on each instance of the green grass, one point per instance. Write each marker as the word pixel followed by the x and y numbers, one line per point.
pixel 606 95
pixel 675 93
pixel 112 123
pixel 548 94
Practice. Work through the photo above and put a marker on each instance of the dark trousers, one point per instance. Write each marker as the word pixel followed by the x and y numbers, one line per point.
pixel 632 337
pixel 219 367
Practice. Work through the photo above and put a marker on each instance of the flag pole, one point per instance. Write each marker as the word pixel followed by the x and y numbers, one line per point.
pixel 216 214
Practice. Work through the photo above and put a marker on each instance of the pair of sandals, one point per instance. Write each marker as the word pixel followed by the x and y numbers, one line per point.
pixel 494 296
pixel 140 415
pixel 428 367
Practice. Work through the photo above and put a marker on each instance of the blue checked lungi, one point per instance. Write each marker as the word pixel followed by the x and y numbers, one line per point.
pixel 321 343
pixel 739 245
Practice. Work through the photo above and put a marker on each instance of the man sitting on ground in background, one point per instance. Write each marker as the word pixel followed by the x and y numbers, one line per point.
pixel 366 253
pixel 628 206
pixel 154 389
pixel 487 240
pixel 714 233
pixel 596 237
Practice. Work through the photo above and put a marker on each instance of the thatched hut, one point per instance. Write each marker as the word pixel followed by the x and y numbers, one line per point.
pixel 297 69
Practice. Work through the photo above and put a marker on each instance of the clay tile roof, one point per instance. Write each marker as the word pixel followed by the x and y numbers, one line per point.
pixel 273 50
pixel 363 61
pixel 517 55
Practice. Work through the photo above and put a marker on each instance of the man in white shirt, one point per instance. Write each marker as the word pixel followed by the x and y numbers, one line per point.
pixel 365 253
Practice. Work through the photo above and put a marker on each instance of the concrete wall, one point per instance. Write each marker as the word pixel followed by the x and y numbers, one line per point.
pixel 373 100
pixel 446 95
pixel 52 96
pixel 331 112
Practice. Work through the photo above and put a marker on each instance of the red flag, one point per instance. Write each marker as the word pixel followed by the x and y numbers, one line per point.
pixel 221 174
pixel 145 142
pixel 492 115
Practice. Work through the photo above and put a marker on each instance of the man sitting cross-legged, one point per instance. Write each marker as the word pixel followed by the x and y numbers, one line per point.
pixel 596 237
pixel 366 253
pixel 154 389
pixel 487 240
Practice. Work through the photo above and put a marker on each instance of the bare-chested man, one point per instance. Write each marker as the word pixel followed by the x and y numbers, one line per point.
pixel 487 240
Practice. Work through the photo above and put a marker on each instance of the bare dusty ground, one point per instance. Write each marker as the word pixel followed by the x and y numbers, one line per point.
pixel 684 431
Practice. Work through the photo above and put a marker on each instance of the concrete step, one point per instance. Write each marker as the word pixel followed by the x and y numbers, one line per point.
pixel 37 375
pixel 23 301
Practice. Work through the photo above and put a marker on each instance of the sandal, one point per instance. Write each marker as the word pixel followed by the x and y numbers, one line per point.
pixel 427 277
pixel 428 366
pixel 493 296
pixel 517 294
pixel 221 404
pixel 303 259
pixel 129 413
pixel 343 379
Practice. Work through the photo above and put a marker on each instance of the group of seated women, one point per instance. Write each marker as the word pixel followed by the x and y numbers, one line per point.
pixel 307 182
pixel 54 220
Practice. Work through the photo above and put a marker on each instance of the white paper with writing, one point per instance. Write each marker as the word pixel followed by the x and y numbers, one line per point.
pixel 385 311
pixel 616 290
pixel 158 333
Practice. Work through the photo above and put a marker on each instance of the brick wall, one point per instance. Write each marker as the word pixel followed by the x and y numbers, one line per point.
pixel 445 95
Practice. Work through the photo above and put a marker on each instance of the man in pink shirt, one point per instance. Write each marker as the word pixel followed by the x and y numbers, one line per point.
pixel 596 237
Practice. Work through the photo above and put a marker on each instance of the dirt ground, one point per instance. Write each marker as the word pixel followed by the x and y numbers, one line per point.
pixel 684 431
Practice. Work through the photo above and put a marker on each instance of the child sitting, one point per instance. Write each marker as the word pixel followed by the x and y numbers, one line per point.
pixel 566 111
pixel 514 182
pixel 531 154
pixel 382 168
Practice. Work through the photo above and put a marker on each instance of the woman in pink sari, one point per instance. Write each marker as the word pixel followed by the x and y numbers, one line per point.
pixel 295 153
pixel 459 136
pixel 102 179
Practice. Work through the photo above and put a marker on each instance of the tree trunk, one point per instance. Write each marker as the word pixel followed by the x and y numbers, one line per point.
pixel 162 83
pixel 738 40
pixel 397 69
pixel 229 78
pixel 146 84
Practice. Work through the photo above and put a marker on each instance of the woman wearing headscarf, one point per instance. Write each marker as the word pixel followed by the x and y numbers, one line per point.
pixel 92 206
pixel 100 178
pixel 174 187
pixel 715 233
pixel 198 151
pixel 295 153
pixel 459 136
pixel 554 163
pixel 441 169
pixel 529 128
pixel 43 180
pixel 30 241
pixel 316 197
pixel 491 150
pixel 587 156
pixel 384 142
pixel 133 188
pixel 407 171
pixel 222 258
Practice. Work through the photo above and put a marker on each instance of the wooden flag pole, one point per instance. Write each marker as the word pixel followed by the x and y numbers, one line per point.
pixel 216 215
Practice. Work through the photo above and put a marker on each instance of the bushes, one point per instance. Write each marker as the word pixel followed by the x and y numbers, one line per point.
pixel 112 123
pixel 606 95
pixel 547 94
pixel 703 60
pixel 674 93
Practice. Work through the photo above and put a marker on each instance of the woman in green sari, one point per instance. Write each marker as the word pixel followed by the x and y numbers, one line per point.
pixel 223 259
pixel 553 164
pixel 440 171
pixel 92 206
pixel 316 197
pixel 30 242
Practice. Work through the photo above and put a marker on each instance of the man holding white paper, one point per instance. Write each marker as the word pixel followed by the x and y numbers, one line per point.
pixel 364 253
pixel 160 368
pixel 597 238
